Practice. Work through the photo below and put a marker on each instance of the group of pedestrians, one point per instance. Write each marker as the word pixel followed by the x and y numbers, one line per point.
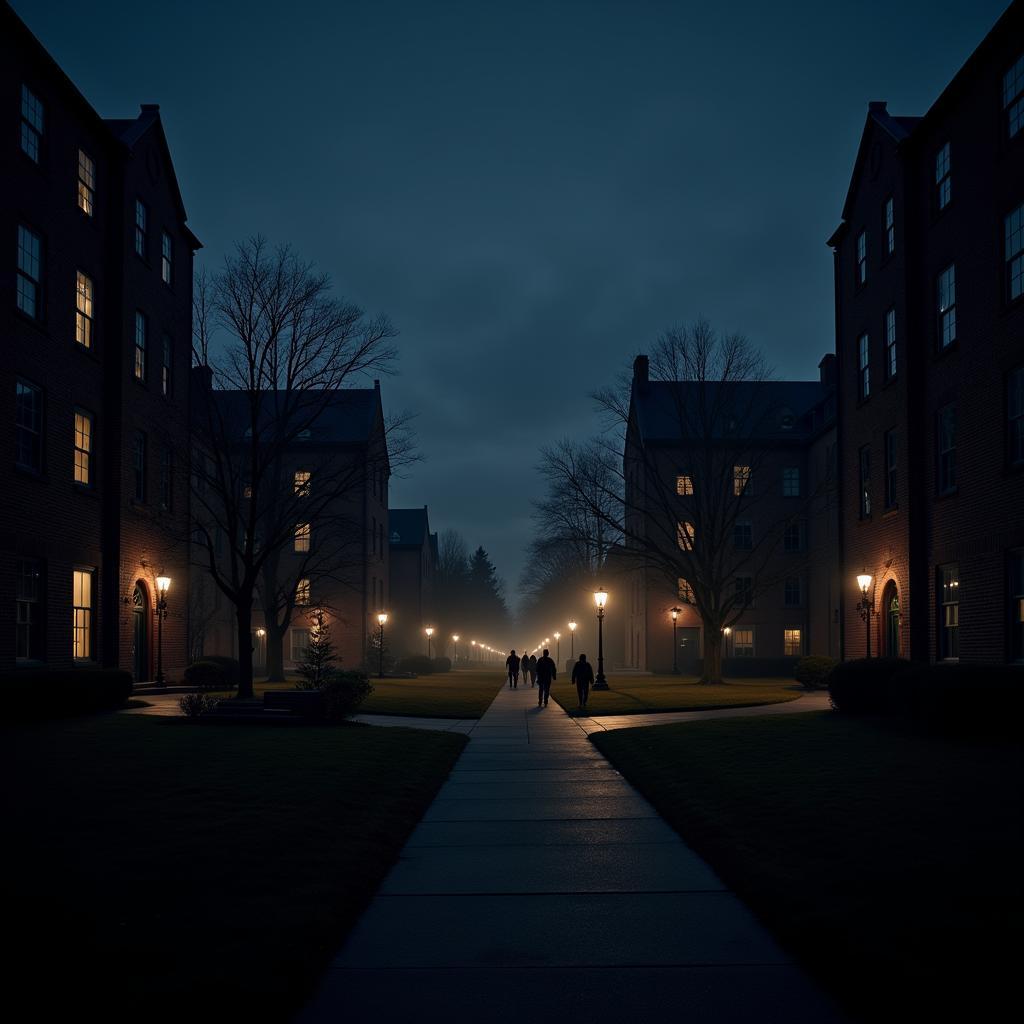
pixel 541 672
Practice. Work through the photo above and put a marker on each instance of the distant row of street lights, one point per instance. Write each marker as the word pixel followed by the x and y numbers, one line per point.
pixel 600 600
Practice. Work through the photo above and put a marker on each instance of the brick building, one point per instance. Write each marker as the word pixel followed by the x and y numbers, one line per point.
pixel 412 571
pixel 95 303
pixel 929 293
pixel 781 531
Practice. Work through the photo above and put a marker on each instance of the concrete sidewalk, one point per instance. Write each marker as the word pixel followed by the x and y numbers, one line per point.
pixel 540 886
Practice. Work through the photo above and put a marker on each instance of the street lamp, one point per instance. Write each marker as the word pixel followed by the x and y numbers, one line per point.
pixel 455 642
pixel 865 606
pixel 674 612
pixel 600 599
pixel 163 584
pixel 558 646
pixel 572 640
pixel 430 632
pixel 382 618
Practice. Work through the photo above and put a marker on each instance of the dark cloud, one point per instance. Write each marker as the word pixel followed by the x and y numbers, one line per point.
pixel 532 191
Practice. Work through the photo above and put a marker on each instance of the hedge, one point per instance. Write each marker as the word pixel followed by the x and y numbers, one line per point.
pixel 442 664
pixel 207 674
pixel 60 693
pixel 813 671
pixel 418 663
pixel 865 685
pixel 963 696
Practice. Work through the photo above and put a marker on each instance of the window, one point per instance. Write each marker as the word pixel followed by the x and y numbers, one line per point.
pixel 167 478
pixel 685 535
pixel 302 536
pixel 889 223
pixel 684 485
pixel 946 295
pixel 81 599
pixel 685 591
pixel 86 184
pixel 302 592
pixel 141 219
pixel 949 611
pixel 83 309
pixel 300 645
pixel 139 465
pixel 891 463
pixel 793 536
pixel 943 181
pixel 139 349
pixel 302 482
pixel 1014 254
pixel 1015 415
pixel 30 258
pixel 741 480
pixel 28 426
pixel 865 482
pixel 743 643
pixel 28 616
pixel 83 447
pixel 946 449
pixel 890 344
pixel 31 123
pixel 166 377
pixel 791 482
pixel 863 368
pixel 1013 97
pixel 166 258
pixel 1016 602
pixel 862 257
pixel 744 591
pixel 743 534
pixel 792 644
pixel 791 591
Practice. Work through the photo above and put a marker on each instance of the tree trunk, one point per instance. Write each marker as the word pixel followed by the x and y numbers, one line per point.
pixel 243 615
pixel 275 653
pixel 712 653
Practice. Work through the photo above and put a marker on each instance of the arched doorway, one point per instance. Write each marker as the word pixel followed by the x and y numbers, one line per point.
pixel 891 611
pixel 140 633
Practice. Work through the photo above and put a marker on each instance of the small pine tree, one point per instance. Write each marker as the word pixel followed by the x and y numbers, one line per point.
pixel 317 668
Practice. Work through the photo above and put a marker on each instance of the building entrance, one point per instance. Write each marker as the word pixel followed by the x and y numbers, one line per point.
pixel 140 634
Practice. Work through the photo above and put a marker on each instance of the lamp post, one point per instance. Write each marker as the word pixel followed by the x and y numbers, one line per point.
pixel 572 640
pixel 558 646
pixel 382 618
pixel 674 612
pixel 163 584
pixel 865 606
pixel 455 643
pixel 430 632
pixel 600 598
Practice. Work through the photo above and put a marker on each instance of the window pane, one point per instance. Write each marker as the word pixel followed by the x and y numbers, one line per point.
pixel 83 446
pixel 86 183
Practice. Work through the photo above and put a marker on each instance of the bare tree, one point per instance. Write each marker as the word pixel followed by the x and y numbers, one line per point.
pixel 689 474
pixel 277 348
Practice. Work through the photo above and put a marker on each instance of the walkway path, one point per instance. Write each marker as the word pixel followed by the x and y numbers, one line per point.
pixel 540 886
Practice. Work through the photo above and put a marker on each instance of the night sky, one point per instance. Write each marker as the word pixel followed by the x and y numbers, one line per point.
pixel 531 192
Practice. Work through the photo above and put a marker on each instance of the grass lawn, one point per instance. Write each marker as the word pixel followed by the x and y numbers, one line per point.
pixel 888 859
pixel 156 868
pixel 633 695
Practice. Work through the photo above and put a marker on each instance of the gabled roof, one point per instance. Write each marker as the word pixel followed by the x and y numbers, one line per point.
pixel 408 527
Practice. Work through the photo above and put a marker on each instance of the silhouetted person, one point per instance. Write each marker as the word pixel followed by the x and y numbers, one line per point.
pixel 533 669
pixel 545 673
pixel 583 677
pixel 512 664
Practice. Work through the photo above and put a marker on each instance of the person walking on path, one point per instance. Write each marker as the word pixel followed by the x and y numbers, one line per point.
pixel 533 669
pixel 512 664
pixel 546 672
pixel 583 677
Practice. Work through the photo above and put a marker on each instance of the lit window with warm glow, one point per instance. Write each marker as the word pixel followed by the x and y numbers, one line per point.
pixel 83 447
pixel 86 184
pixel 743 643
pixel 302 482
pixel 82 614
pixel 685 591
pixel 83 310
pixel 740 480
pixel 302 592
pixel 791 643
pixel 684 485
pixel 684 535
pixel 302 536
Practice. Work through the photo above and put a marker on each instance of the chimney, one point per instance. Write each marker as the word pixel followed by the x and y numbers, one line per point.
pixel 641 372
pixel 376 385
pixel 827 370
pixel 878 107
pixel 202 378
